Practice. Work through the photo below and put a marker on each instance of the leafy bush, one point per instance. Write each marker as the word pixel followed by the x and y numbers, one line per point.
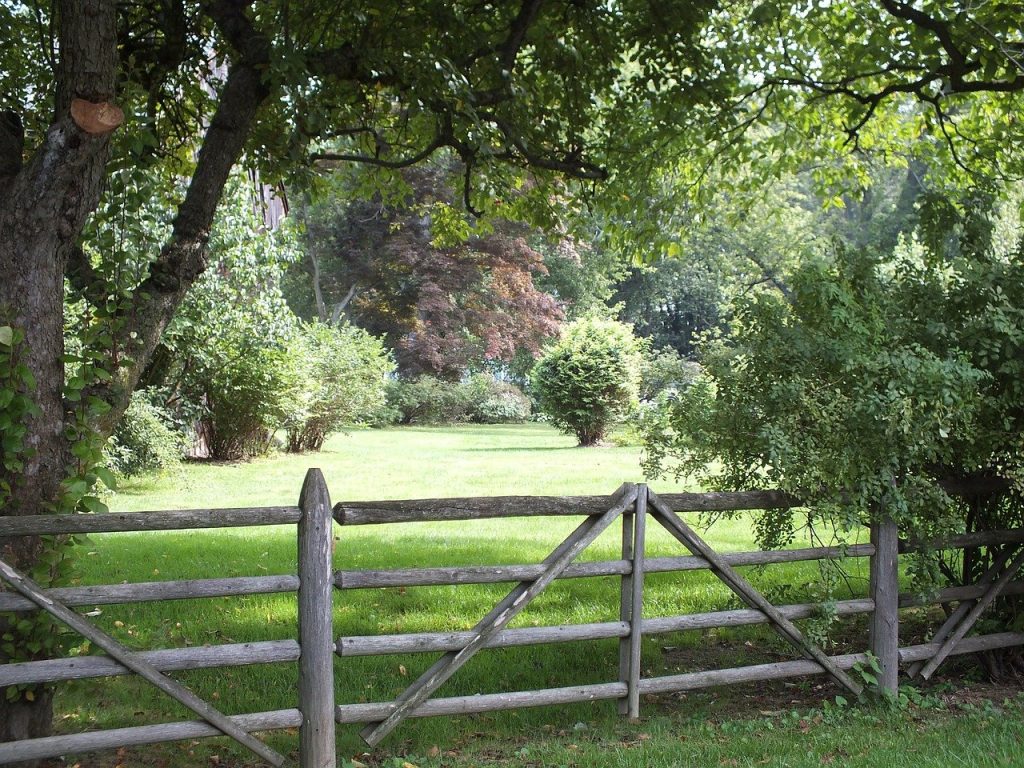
pixel 481 400
pixel 665 370
pixel 246 396
pixel 496 402
pixel 227 347
pixel 426 400
pixel 342 379
pixel 146 439
pixel 876 382
pixel 589 378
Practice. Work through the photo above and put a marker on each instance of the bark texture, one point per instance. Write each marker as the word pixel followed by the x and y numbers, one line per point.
pixel 43 207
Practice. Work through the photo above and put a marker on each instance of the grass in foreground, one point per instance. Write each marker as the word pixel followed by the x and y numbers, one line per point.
pixel 420 463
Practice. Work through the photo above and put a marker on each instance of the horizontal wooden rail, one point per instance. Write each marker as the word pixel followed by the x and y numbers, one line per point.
pixel 491 574
pixel 438 510
pixel 119 522
pixel 149 591
pixel 165 660
pixel 273 651
pixel 962 540
pixel 430 642
pixel 55 746
pixel 110 594
pixel 464 705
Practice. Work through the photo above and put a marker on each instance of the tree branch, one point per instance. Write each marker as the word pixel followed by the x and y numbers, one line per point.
pixel 184 256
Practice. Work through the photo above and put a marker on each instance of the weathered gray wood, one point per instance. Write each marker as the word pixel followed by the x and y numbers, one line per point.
pixel 969 592
pixel 625 608
pixel 726 501
pixel 488 702
pixel 56 746
pixel 434 510
pixel 423 510
pixel 967 540
pixel 786 669
pixel 236 654
pixel 964 607
pixel 464 705
pixel 432 642
pixel 142 592
pixel 116 522
pixel 967 645
pixel 316 620
pixel 109 645
pixel 498 618
pixel 494 574
pixel 973 615
pixel 884 586
pixel 674 524
pixel 166 660
pixel 636 602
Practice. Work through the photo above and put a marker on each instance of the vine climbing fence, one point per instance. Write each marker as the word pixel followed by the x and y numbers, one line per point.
pixel 317 584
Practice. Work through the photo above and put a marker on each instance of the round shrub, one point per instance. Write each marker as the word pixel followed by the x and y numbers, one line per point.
pixel 481 399
pixel 589 378
pixel 245 399
pixel 497 402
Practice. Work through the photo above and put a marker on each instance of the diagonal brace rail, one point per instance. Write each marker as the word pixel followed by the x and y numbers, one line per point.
pixel 135 663
pixel 689 538
pixel 975 613
pixel 498 618
pixel 964 607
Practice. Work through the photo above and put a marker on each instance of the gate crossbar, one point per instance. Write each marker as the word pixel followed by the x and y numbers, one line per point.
pixel 135 663
pixel 499 617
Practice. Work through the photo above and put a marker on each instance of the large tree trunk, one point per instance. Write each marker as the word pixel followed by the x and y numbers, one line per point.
pixel 43 207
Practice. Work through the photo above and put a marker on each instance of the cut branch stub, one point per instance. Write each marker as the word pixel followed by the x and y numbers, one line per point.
pixel 96 119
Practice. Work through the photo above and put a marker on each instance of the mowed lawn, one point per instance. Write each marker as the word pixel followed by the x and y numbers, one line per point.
pixel 476 461
pixel 404 463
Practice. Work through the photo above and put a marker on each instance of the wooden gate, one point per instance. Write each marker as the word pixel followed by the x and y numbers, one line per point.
pixel 640 501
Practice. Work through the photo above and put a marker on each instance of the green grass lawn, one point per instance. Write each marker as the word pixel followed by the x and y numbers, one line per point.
pixel 464 461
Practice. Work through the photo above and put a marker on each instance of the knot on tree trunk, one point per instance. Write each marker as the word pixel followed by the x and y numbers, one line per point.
pixel 96 119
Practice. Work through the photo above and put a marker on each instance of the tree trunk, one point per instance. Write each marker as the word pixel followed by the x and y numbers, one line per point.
pixel 43 207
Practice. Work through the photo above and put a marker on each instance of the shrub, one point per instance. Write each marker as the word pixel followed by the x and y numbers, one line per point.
pixel 427 400
pixel 246 393
pixel 665 370
pixel 481 399
pixel 589 377
pixel 342 379
pixel 146 439
pixel 496 402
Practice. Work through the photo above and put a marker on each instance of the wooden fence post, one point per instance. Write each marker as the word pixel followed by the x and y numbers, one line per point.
pixel 631 603
pixel 885 591
pixel 637 602
pixel 626 605
pixel 316 626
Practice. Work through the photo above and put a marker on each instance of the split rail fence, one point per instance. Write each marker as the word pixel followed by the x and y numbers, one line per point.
pixel 315 649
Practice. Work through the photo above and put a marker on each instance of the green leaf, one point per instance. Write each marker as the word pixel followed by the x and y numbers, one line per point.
pixel 107 477
pixel 94 505
pixel 6 335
